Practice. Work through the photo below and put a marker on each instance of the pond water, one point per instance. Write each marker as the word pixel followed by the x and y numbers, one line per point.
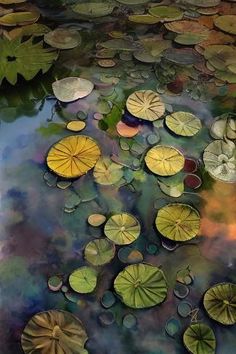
pixel 44 215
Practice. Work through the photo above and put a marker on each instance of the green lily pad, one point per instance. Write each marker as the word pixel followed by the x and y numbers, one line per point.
pixel 107 172
pixel 122 229
pixel 108 299
pixel 220 160
pixel 19 18
pixel 144 19
pixel 183 123
pixel 35 30
pixel 141 286
pixel 83 280
pixel 14 55
pixel 226 23
pixel 99 252
pixel 203 3
pixel 93 9
pixel 220 303
pixel 189 38
pixel 166 13
pixel 178 222
pixel 63 38
pixel 172 327
pixel 199 339
pixel 133 2
pixel 55 283
pixel 174 190
pixel 184 309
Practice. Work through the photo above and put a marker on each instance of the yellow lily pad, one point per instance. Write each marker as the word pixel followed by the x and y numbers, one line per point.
pixel 164 160
pixel 106 172
pixel 122 229
pixel 183 123
pixel 220 303
pixel 178 222
pixel 54 332
pixel 226 23
pixel 166 13
pixel 35 29
pixel 141 286
pixel 72 88
pixel 63 38
pixel 76 125
pixel 145 104
pixel 19 18
pixel 99 252
pixel 73 156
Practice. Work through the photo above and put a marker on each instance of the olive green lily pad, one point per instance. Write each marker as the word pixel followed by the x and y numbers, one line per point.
pixel 189 38
pixel 166 13
pixel 93 9
pixel 99 252
pixel 14 55
pixel 226 23
pixel 224 126
pixel 71 88
pixel 141 286
pixel 19 18
pixel 220 303
pixel 122 229
pixel 220 56
pixel 107 172
pixel 220 160
pixel 183 123
pixel 35 30
pixel 63 38
pixel 9 2
pixel 174 190
pixel 178 222
pixel 199 339
pixel 83 280
pixel 144 19
pixel 203 3
pixel 133 2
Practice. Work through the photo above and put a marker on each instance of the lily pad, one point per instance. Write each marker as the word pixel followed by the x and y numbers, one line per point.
pixel 164 160
pixel 199 339
pixel 220 160
pixel 35 30
pixel 189 38
pixel 72 88
pixel 226 23
pixel 224 126
pixel 122 229
pixel 141 286
pixel 53 332
pixel 145 104
pixel 120 44
pixel 83 280
pixel 166 13
pixel 125 130
pixel 184 26
pixel 96 220
pixel 63 38
pixel 129 321
pixel 172 327
pixel 108 299
pixel 93 9
pixel 178 222
pixel 73 156
pixel 107 172
pixel 220 303
pixel 99 252
pixel 14 55
pixel 75 125
pixel 19 18
pixel 55 283
pixel 183 56
pixel 183 123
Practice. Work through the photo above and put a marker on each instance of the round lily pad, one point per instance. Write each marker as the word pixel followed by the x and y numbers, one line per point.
pixel 189 38
pixel 172 327
pixel 71 88
pixel 19 18
pixel 183 123
pixel 178 222
pixel 126 131
pixel 55 283
pixel 122 229
pixel 54 332
pixel 220 160
pixel 226 23
pixel 83 280
pixel 96 220
pixel 107 172
pixel 145 19
pixel 76 126
pixel 108 299
pixel 93 9
pixel 63 38
pixel 164 160
pixel 99 252
pixel 181 290
pixel 220 303
pixel 129 321
pixel 141 286
pixel 73 156
pixel 199 339
pixel 145 104
pixel 185 26
pixel 224 126
pixel 184 308
pixel 166 13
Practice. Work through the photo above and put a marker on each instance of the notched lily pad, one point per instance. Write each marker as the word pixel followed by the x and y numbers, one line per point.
pixel 83 280
pixel 106 172
pixel 72 88
pixel 199 339
pixel 183 123
pixel 63 38
pixel 99 252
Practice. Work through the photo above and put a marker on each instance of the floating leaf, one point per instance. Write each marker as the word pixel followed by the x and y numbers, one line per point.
pixel 220 160
pixel 9 2
pixel 72 88
pixel 96 220
pixel 166 13
pixel 220 56
pixel 132 2
pixel 55 283
pixel 183 56
pixel 120 44
pixel 83 280
pixel 199 339
pixel 189 38
pixel 54 332
pixel 220 303
pixel 185 26
pixel 184 309
pixel 172 327
pixel 106 172
pixel 125 130
pixel 145 104
pixel 141 286
pixel 224 126
pixel 183 123
pixel 19 18
pixel 164 160
pixel 35 30
pixel 122 229
pixel 178 222
pixel 99 252
pixel 144 19
pixel 93 9
pixel 15 54
pixel 173 190
pixel 73 156
pixel 226 23
pixel 63 38
pixel 108 299
pixel 129 321
pixel 75 125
